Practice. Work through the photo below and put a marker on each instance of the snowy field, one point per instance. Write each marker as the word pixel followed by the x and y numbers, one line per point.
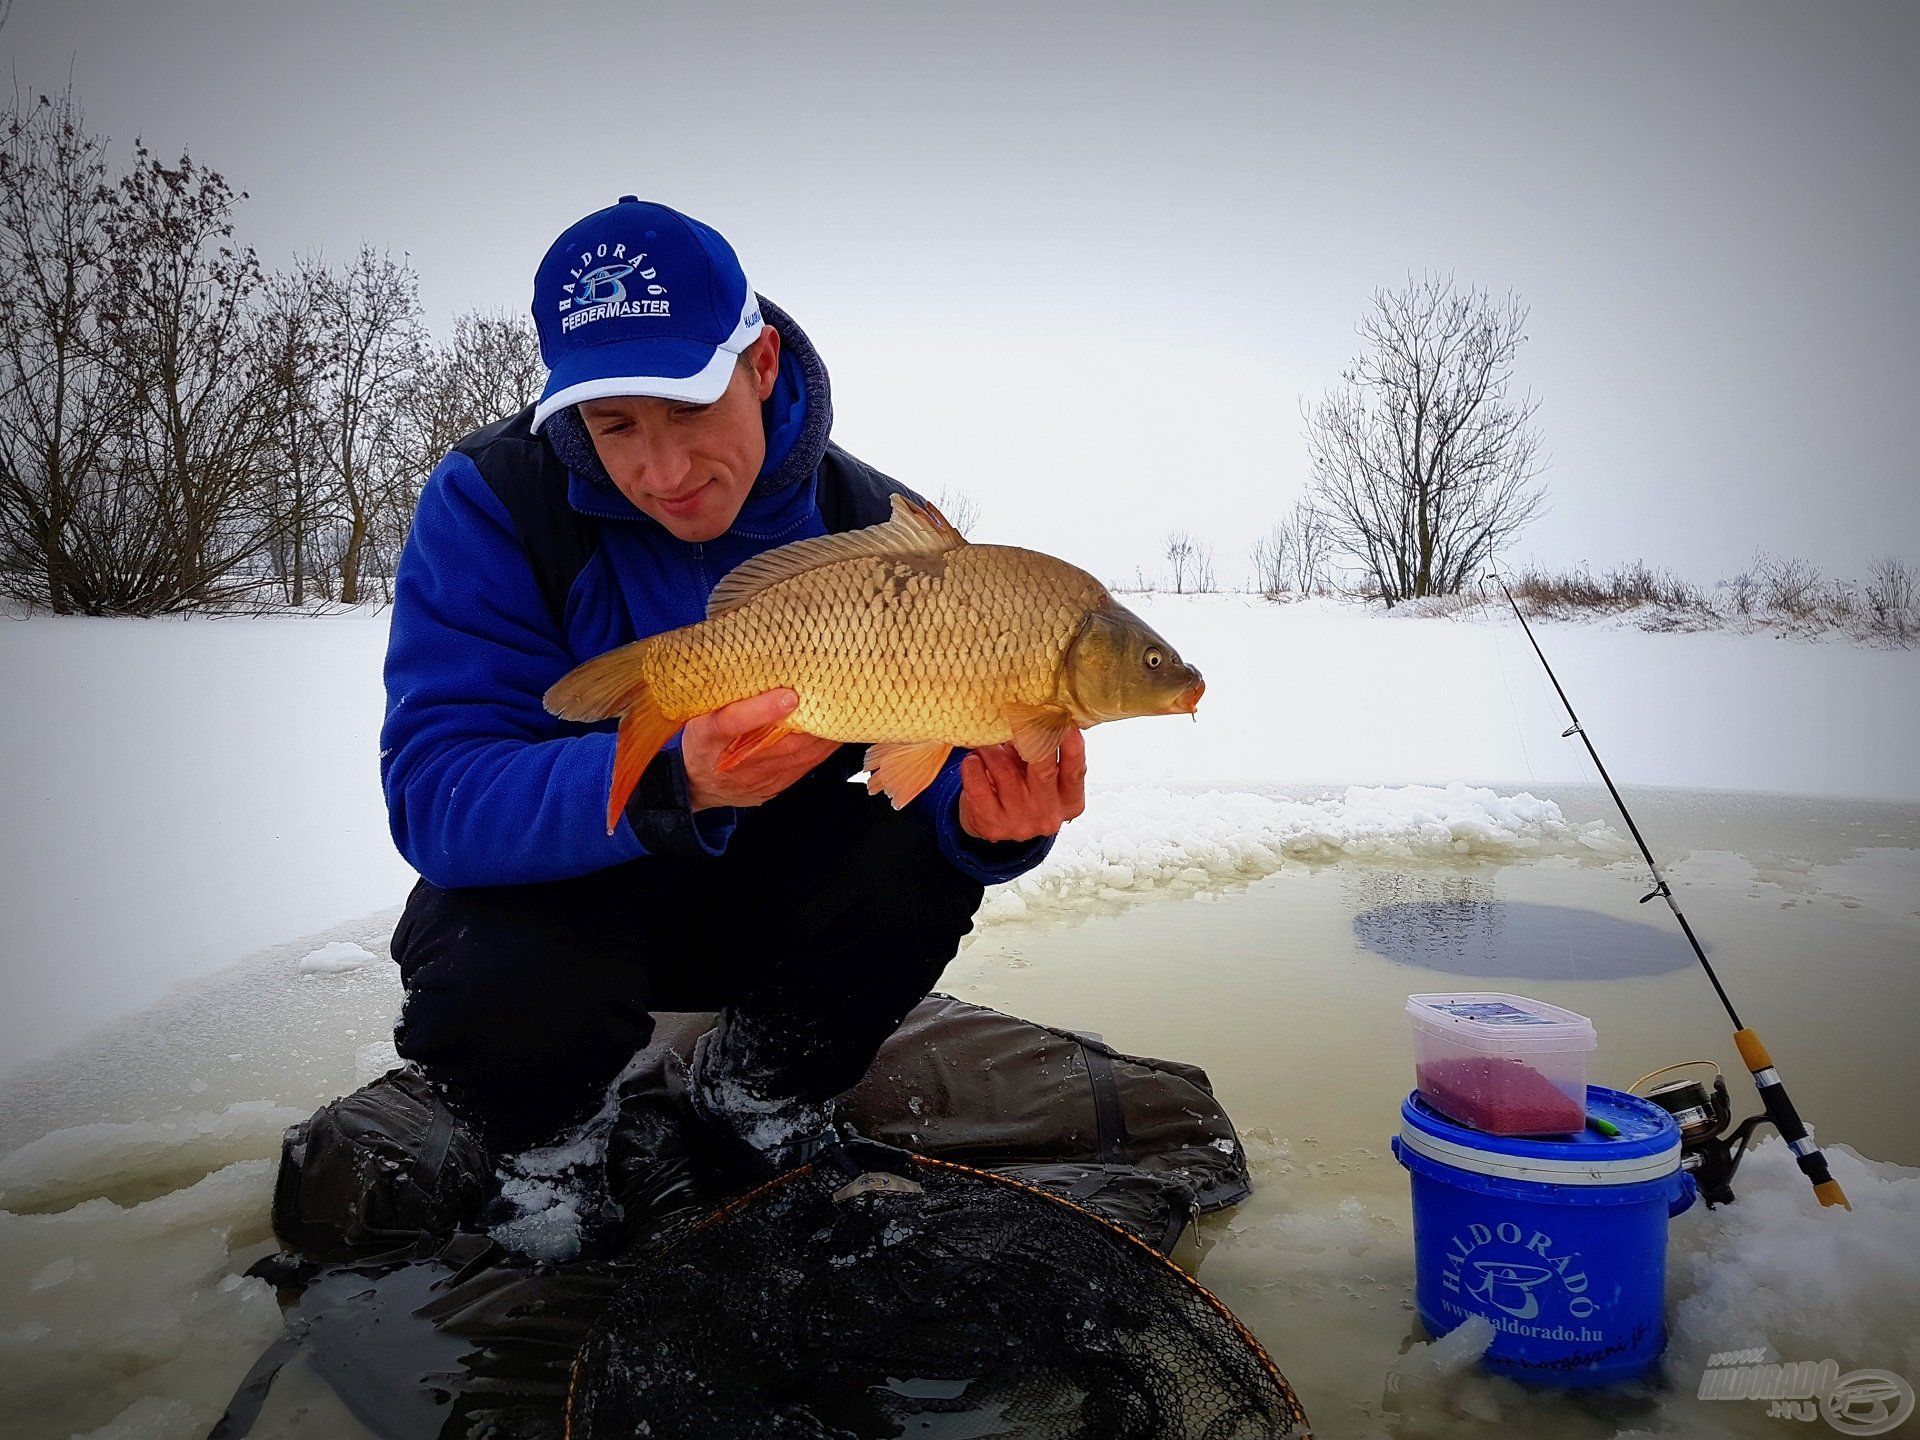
pixel 198 884
pixel 183 793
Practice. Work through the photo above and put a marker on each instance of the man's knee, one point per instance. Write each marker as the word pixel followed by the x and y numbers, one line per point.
pixel 492 993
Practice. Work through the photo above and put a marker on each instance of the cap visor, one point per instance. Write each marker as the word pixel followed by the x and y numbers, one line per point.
pixel 638 368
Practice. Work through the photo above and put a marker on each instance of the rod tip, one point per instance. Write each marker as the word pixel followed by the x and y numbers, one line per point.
pixel 1830 1193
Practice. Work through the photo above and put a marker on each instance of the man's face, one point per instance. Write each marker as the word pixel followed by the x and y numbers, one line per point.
pixel 689 466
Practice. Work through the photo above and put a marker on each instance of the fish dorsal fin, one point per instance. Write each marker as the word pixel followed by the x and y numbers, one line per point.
pixel 915 528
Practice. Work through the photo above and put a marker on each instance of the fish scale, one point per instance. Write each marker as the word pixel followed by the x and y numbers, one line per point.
pixel 880 649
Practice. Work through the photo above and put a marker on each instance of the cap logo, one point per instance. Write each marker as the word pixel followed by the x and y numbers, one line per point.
pixel 598 290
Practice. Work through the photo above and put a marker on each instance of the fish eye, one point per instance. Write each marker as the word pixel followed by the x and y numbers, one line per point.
pixel 1154 657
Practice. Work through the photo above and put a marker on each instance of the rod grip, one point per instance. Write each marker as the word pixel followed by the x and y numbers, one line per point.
pixel 1752 1053
pixel 1786 1119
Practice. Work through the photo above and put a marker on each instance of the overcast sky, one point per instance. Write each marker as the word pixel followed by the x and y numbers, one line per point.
pixel 1087 262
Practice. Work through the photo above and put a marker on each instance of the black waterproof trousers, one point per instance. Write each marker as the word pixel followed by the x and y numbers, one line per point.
pixel 829 917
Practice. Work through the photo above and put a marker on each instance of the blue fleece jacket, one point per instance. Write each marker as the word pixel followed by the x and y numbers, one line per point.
pixel 484 787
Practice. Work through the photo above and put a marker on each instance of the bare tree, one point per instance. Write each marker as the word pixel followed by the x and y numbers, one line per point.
pixel 372 345
pixel 57 409
pixel 1423 465
pixel 1311 544
pixel 1893 598
pixel 1272 557
pixel 491 370
pixel 960 508
pixel 1203 579
pixel 296 484
pixel 184 349
pixel 1292 556
pixel 1179 551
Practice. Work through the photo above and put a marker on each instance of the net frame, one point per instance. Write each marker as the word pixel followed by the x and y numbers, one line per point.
pixel 1296 1425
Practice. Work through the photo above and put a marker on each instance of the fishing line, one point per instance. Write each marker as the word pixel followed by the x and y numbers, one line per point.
pixel 1565 925
pixel 1753 1054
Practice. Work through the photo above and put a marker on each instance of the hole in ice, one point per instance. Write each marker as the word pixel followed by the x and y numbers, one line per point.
pixel 1481 938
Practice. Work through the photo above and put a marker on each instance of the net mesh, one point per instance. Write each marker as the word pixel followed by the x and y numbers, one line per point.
pixel 920 1298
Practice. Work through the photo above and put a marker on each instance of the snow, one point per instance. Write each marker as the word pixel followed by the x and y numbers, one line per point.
pixel 551 1193
pixel 1148 837
pixel 182 793
pixel 336 957
pixel 1776 1271
pixel 1328 692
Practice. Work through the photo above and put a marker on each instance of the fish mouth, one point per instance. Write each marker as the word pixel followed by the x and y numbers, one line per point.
pixel 1188 700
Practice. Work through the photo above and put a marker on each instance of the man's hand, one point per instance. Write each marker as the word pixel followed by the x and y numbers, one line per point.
pixel 1004 798
pixel 766 772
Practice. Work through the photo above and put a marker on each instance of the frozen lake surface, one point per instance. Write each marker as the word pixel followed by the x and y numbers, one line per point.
pixel 1811 911
pixel 137 1166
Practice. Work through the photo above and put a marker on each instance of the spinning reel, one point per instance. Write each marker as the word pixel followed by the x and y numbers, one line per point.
pixel 1707 1152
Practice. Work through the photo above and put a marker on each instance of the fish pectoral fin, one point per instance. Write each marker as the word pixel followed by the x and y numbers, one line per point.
pixel 904 769
pixel 744 747
pixel 1038 730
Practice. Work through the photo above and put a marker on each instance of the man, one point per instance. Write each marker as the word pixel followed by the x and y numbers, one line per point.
pixel 683 429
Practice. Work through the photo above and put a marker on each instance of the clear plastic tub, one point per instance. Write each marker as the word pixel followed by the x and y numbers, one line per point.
pixel 1502 1064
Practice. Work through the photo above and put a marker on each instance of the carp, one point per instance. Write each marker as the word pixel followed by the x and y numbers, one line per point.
pixel 902 635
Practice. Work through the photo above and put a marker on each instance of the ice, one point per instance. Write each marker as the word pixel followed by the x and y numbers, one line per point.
pixel 336 957
pixel 1149 838
pixel 152 1418
pixel 552 1191
pixel 1453 1352
pixel 1436 1384
pixel 1775 1273
pixel 1351 1229
pixel 129 1320
pixel 547 1225
pixel 142 1157
pixel 373 1060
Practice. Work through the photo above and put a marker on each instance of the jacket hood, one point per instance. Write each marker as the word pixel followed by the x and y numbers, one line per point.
pixel 797 418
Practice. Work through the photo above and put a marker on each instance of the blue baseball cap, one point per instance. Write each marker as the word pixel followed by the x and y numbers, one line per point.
pixel 638 299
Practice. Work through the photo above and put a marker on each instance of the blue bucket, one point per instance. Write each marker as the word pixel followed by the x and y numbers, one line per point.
pixel 1559 1241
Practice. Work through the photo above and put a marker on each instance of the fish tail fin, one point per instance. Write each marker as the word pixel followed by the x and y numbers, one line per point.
pixel 616 684
pixel 605 686
pixel 643 731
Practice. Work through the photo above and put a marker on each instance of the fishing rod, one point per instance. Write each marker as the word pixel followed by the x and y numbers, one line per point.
pixel 1753 1054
